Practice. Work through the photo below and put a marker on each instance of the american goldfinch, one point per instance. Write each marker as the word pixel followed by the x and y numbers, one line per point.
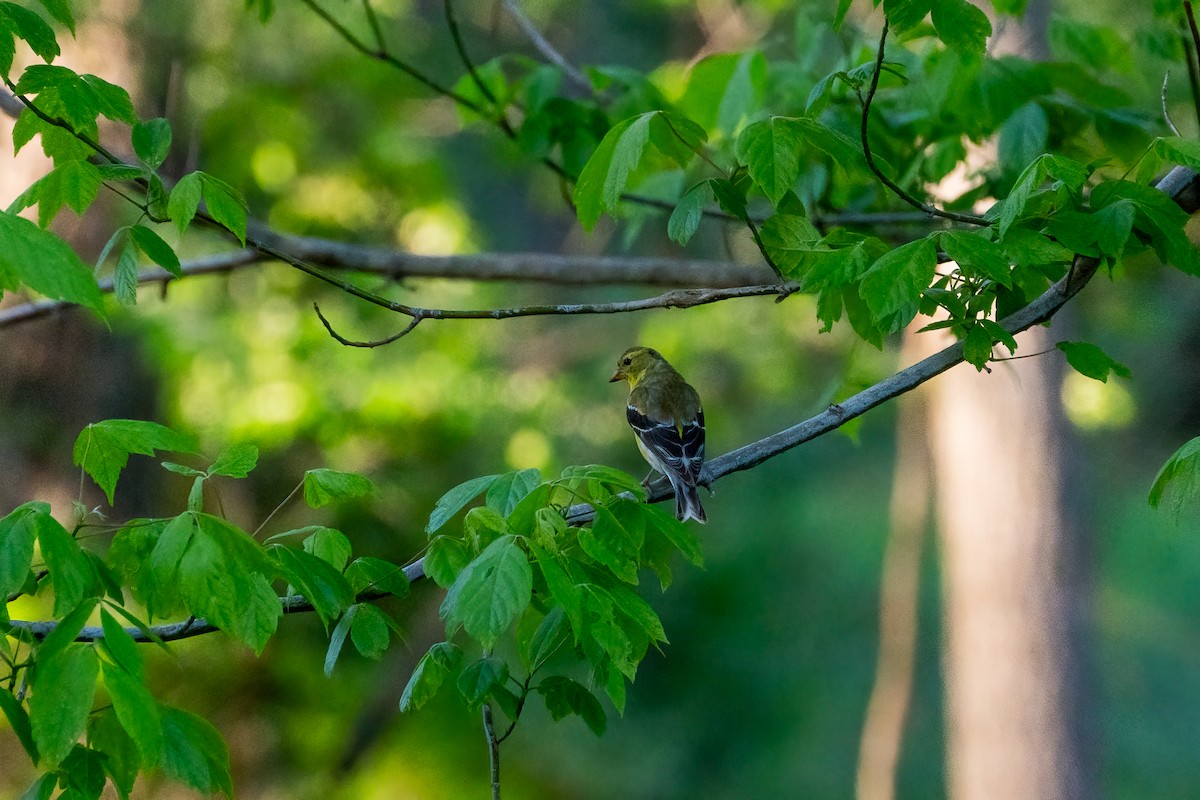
pixel 665 414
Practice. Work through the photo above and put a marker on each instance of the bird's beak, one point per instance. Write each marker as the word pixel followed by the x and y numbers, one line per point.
pixel 617 376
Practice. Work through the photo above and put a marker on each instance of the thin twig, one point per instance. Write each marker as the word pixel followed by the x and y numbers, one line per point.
pixel 1162 97
pixel 546 49
pixel 277 508
pixel 1191 52
pixel 381 54
pixel 372 343
pixel 678 298
pixel 931 210
pixel 376 28
pixel 461 48
pixel 493 750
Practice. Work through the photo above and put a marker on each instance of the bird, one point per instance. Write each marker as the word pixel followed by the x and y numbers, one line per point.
pixel 668 421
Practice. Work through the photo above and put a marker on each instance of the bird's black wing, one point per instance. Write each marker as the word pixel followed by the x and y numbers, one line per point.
pixel 681 453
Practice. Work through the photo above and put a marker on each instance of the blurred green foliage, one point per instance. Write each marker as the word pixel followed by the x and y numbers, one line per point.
pixel 763 688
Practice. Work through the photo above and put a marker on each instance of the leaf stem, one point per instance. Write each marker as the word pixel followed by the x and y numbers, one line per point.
pixel 277 508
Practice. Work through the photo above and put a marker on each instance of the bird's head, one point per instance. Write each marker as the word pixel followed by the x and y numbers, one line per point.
pixel 633 363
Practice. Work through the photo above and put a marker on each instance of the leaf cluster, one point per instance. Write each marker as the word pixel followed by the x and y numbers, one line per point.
pixel 540 606
pixel 63 685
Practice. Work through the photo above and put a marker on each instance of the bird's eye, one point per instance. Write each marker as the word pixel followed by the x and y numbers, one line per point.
pixel 627 362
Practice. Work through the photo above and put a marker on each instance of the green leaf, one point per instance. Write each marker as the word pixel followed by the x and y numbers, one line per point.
pixel 324 486
pixel 509 489
pixel 724 89
pixel 18 719
pixel 1159 217
pixel 125 276
pixel 319 582
pixel 841 149
pixel 220 573
pixel 999 335
pixel 122 760
pixel 63 687
pixel 185 200
pixel 67 629
pixel 604 177
pixel 17 532
pixel 975 254
pixel 770 149
pixel 612 545
pixel 731 194
pixel 633 606
pixel 1090 361
pixel 480 678
pixel 962 26
pixel 194 753
pixel 121 172
pixel 1071 173
pixel 195 500
pixel 60 10
pixel 456 499
pixel 103 448
pixel 523 517
pixel 237 461
pixel 677 533
pixel 893 285
pixel 43 787
pixel 152 141
pixel 369 632
pixel 561 587
pixel 375 573
pixel 156 249
pixel 564 696
pixel 8 50
pixel 225 204
pixel 688 213
pixel 329 545
pixel 432 670
pixel 903 15
pixel 977 347
pixel 43 262
pixel 337 639
pixel 490 592
pixel 552 633
pixel 136 709
pixel 1023 137
pixel 70 571
pixel 81 774
pixel 33 29
pixel 677 138
pixel 445 560
pixel 112 101
pixel 1180 475
pixel 482 526
pixel 791 241
pixel 73 183
pixel 120 645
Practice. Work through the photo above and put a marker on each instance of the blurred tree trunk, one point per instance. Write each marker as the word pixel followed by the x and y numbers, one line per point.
pixel 1014 564
pixel 1014 584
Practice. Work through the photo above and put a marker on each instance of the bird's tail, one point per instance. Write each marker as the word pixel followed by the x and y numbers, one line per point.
pixel 687 502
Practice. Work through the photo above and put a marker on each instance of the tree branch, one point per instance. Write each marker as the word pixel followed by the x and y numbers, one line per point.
pixel 931 210
pixel 198 626
pixel 546 49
